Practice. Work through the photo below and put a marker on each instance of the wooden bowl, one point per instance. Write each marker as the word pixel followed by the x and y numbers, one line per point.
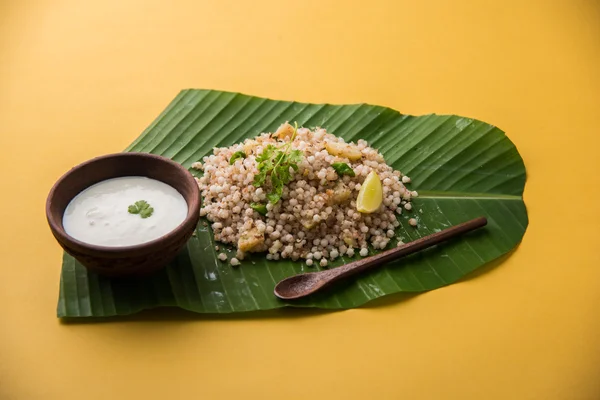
pixel 137 260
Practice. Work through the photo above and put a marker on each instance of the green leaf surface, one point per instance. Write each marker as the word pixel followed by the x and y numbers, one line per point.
pixel 461 167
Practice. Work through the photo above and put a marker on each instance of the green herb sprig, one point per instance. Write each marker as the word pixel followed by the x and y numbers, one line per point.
pixel 343 169
pixel 142 208
pixel 259 208
pixel 275 163
pixel 236 156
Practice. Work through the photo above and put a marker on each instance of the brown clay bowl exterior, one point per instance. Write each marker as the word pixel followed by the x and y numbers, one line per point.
pixel 127 261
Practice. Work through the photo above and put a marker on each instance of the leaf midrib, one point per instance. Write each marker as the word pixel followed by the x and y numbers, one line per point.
pixel 432 194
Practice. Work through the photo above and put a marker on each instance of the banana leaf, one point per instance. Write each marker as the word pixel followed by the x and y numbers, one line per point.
pixel 461 167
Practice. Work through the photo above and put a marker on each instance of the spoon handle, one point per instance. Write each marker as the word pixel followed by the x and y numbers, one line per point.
pixel 355 267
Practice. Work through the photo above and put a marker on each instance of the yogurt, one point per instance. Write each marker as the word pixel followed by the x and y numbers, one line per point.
pixel 100 214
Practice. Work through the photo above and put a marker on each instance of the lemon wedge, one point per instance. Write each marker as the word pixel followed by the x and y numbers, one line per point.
pixel 370 195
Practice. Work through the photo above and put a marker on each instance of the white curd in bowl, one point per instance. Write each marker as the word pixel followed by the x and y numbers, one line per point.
pixel 100 214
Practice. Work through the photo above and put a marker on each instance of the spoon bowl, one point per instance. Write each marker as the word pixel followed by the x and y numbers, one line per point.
pixel 298 286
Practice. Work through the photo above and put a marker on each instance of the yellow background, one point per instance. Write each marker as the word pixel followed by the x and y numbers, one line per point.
pixel 80 79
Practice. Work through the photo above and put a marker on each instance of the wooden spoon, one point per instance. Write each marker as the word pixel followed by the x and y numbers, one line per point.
pixel 302 285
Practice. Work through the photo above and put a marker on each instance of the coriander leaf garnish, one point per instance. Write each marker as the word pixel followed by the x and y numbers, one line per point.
pixel 259 208
pixel 236 156
pixel 275 163
pixel 141 207
pixel 343 169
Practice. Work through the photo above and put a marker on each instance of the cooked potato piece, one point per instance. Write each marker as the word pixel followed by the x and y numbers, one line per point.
pixel 346 150
pixel 349 240
pixel 251 240
pixel 285 131
pixel 309 223
pixel 339 195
